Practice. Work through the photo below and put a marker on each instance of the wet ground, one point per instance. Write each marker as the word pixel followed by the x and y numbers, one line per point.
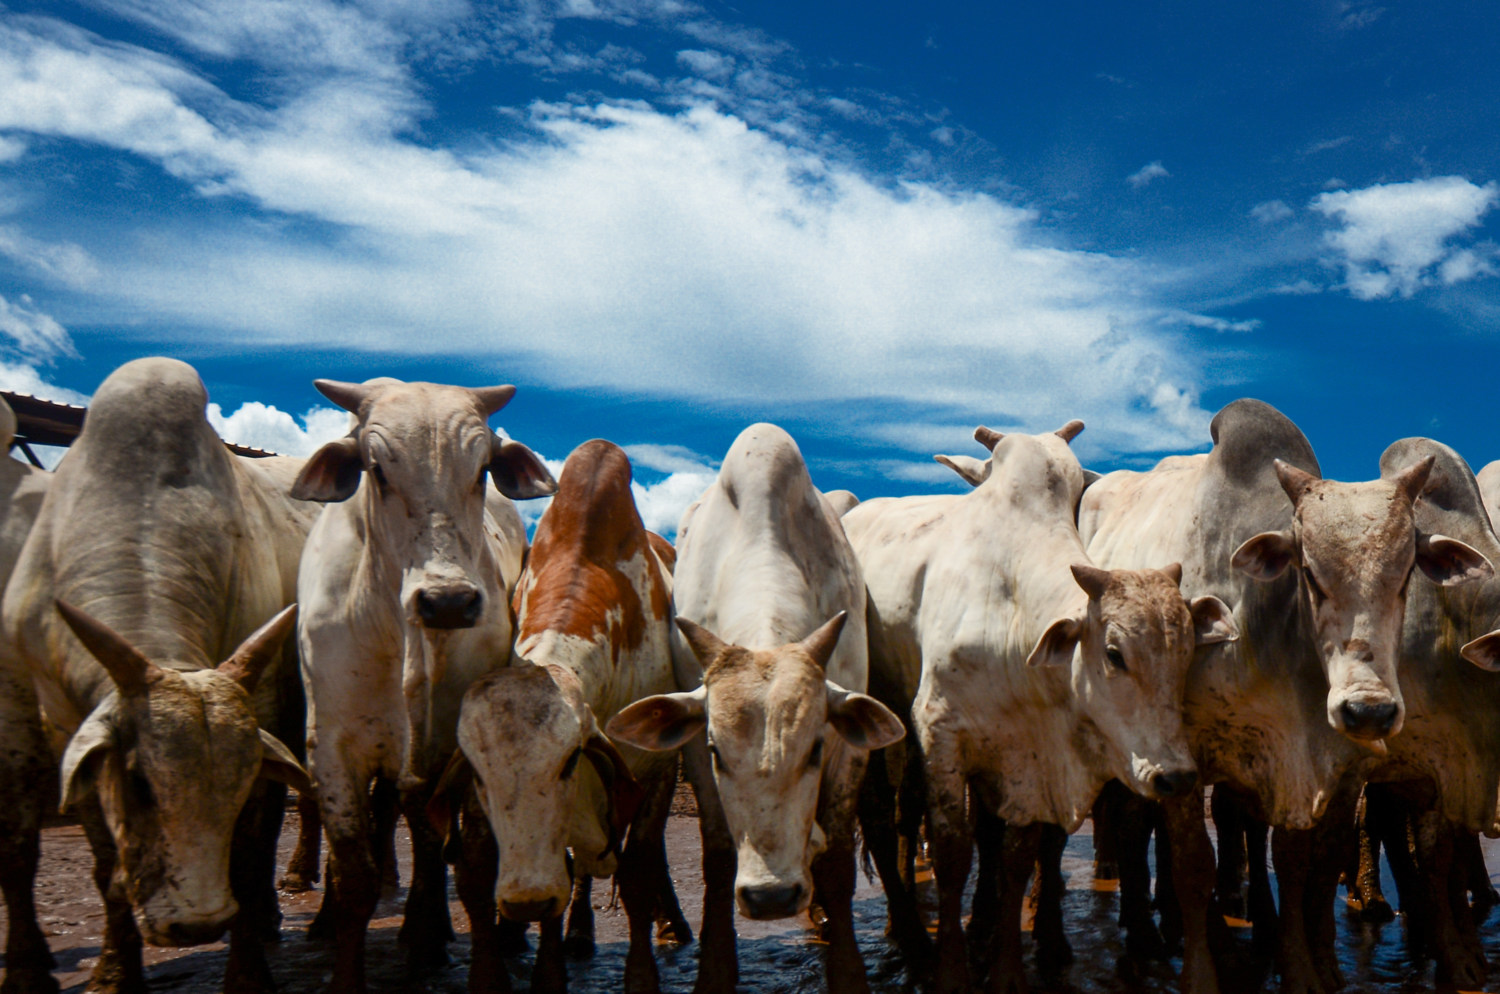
pixel 774 957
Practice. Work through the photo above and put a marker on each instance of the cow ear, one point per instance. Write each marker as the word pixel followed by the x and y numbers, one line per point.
pixel 277 763
pixel 1212 621
pixel 974 471
pixel 662 722
pixel 85 753
pixel 517 471
pixel 1055 647
pixel 1484 652
pixel 1267 555
pixel 861 720
pixel 821 643
pixel 251 658
pixel 1449 562
pixel 331 474
pixel 624 794
pixel 457 776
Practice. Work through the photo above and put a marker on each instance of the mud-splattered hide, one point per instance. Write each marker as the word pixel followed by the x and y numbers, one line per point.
pixel 771 717
pixel 1355 547
pixel 173 754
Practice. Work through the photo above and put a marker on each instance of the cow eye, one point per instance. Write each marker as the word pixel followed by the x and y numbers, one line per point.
pixel 1319 595
pixel 1116 657
pixel 379 475
pixel 570 765
pixel 815 757
pixel 713 751
pixel 140 789
pixel 479 484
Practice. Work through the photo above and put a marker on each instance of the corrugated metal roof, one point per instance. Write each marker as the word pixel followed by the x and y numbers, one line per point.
pixel 51 422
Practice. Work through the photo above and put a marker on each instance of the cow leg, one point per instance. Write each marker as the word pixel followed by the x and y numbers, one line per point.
pixel 27 769
pixel 1366 898
pixel 1292 852
pixel 474 878
pixel 385 805
pixel 1458 964
pixel 718 966
pixel 911 808
pixel 1332 839
pixel 1017 859
pixel 549 974
pixel 1106 834
pixel 1133 827
pixel 252 878
pixel 302 869
pixel 1458 898
pixel 1230 888
pixel 1053 953
pixel 833 875
pixel 671 924
pixel 984 910
pixel 1476 875
pixel 119 969
pixel 1193 878
pixel 877 819
pixel 427 926
pixel 951 845
pixel 353 878
pixel 1168 910
pixel 1262 899
pixel 641 870
pixel 578 942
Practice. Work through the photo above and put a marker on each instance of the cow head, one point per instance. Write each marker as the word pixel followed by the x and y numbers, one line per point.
pixel 1354 547
pixel 526 740
pixel 426 451
pixel 172 756
pixel 1129 652
pixel 773 721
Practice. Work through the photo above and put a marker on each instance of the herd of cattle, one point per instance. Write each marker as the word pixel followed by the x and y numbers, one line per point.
pixel 970 669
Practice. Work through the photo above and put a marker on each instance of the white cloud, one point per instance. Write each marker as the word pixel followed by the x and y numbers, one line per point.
pixel 1395 238
pixel 661 504
pixel 62 261
pixel 19 377
pixel 11 149
pixel 1271 211
pixel 37 336
pixel 1144 175
pixel 668 459
pixel 263 426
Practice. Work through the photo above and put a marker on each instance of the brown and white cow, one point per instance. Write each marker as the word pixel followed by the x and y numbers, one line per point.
pixel 593 623
pixel 1298 710
pixel 775 736
pixel 1032 676
pixel 405 591
pixel 154 554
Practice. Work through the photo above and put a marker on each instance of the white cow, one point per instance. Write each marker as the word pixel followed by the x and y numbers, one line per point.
pixel 405 588
pixel 593 633
pixel 1297 711
pixel 1032 676
pixel 154 554
pixel 765 583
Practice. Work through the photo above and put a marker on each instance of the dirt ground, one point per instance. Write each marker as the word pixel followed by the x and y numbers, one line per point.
pixel 774 956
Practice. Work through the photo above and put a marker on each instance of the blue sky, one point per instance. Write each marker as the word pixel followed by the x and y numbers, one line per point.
pixel 875 224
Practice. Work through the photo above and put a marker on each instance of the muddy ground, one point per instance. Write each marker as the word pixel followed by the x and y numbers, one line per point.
pixel 774 957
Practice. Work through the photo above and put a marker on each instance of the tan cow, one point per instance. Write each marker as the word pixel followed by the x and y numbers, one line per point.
pixel 155 553
pixel 593 622
pixel 1032 677
pixel 405 587
pixel 775 736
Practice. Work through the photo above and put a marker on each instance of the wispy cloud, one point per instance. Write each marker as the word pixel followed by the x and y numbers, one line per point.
pixel 1271 211
pixel 1143 176
pixel 1395 238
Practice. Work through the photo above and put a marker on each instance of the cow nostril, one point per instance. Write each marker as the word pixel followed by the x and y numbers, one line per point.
pixel 1174 784
pixel 771 902
pixel 458 608
pixel 1374 720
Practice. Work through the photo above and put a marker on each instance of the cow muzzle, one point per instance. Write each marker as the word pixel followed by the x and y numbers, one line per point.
pixel 1365 719
pixel 450 607
pixel 194 931
pixel 531 911
pixel 771 901
pixel 1173 783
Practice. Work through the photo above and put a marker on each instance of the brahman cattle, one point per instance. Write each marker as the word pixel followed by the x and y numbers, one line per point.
pixel 405 589
pixel 1032 676
pixel 593 624
pixel 154 555
pixel 1298 710
pixel 770 604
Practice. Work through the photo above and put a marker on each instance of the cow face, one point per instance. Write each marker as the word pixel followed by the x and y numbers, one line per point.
pixel 538 759
pixel 426 451
pixel 1134 645
pixel 1354 547
pixel 172 756
pixel 774 724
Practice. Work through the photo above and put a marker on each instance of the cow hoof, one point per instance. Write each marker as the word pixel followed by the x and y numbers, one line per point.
pixel 579 945
pixel 1377 911
pixel 29 981
pixel 510 938
pixel 1106 869
pixel 295 882
pixel 674 930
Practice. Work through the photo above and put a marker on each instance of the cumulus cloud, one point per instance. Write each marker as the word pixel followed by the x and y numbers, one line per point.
pixel 1271 211
pixel 263 426
pixel 607 247
pixel 1396 238
pixel 1144 175
pixel 20 377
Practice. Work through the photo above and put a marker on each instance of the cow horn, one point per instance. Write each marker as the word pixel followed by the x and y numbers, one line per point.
pixel 1092 579
pixel 821 643
pixel 1293 480
pixel 347 395
pixel 492 399
pixel 250 659
pixel 131 671
pixel 988 437
pixel 705 644
pixel 1412 480
pixel 1069 431
pixel 1174 572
